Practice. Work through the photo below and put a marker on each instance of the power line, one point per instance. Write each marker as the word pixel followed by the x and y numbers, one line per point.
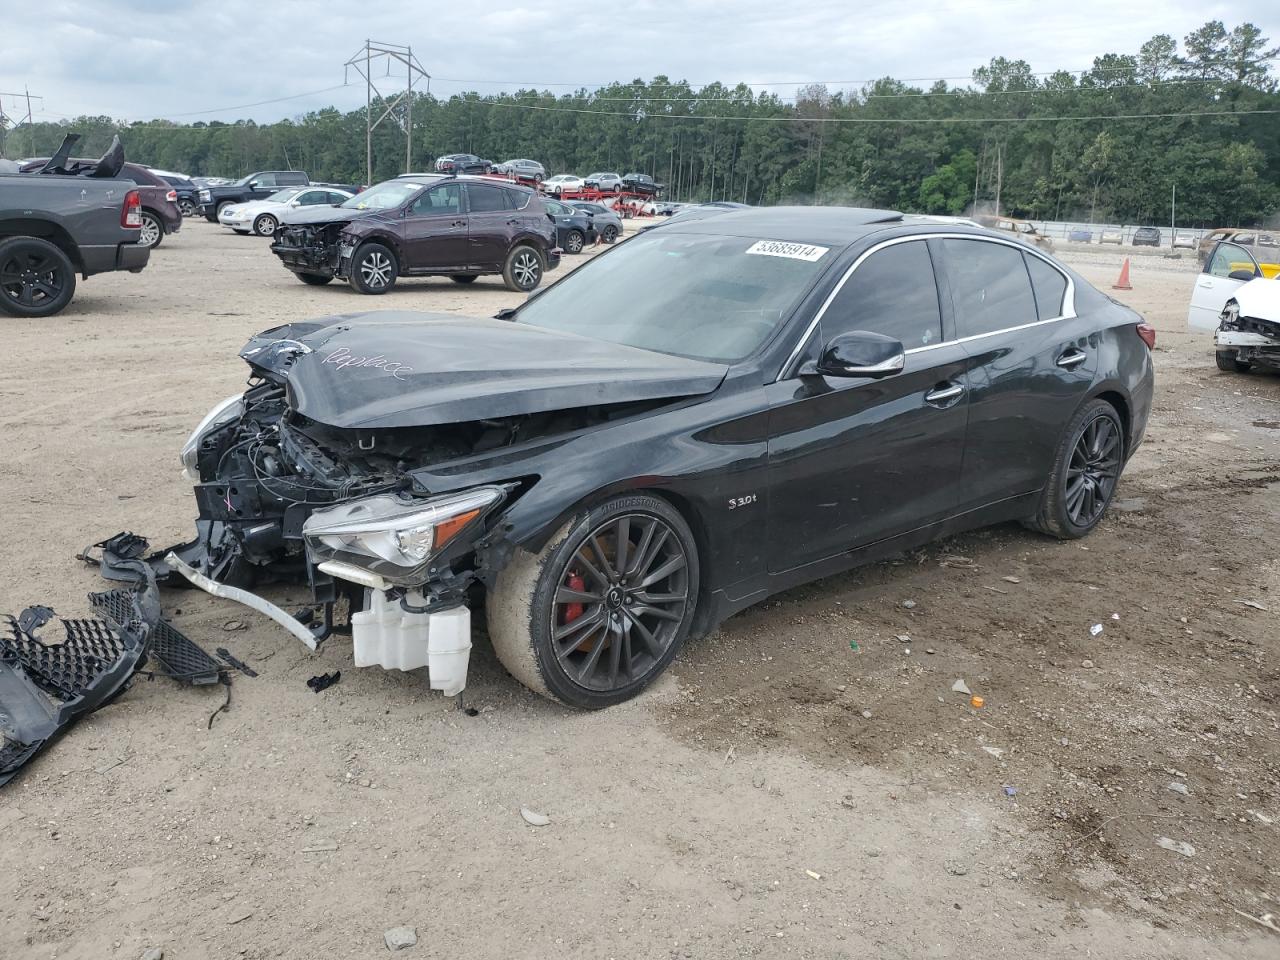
pixel 762 119
pixel 259 103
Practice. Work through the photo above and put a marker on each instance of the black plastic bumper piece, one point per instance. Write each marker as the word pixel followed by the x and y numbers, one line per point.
pixel 176 654
pixel 45 688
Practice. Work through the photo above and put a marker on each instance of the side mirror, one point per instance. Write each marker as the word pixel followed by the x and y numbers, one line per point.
pixel 253 184
pixel 1242 275
pixel 859 354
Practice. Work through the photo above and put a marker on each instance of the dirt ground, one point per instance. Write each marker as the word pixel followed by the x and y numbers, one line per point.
pixel 803 783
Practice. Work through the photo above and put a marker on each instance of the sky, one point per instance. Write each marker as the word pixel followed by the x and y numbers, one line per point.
pixel 190 61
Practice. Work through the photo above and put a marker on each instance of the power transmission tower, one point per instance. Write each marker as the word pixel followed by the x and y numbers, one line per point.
pixel 28 119
pixel 384 55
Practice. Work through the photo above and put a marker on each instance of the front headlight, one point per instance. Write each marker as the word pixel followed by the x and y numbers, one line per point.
pixel 205 195
pixel 391 536
pixel 229 409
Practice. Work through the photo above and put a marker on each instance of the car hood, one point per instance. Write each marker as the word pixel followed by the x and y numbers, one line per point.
pixel 327 214
pixel 402 369
pixel 1259 299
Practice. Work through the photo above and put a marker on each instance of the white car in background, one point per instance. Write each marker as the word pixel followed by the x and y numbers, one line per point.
pixel 563 183
pixel 261 217
pixel 1238 298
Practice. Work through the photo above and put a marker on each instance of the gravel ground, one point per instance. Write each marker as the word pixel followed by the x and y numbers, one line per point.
pixel 777 794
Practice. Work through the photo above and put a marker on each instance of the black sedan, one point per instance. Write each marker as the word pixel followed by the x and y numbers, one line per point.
pixel 461 163
pixel 694 420
pixel 575 228
pixel 642 184
pixel 1146 237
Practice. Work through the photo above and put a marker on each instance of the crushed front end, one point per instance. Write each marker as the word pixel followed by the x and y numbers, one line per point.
pixel 1245 334
pixel 308 248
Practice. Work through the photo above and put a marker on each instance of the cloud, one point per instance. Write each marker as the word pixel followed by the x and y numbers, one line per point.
pixel 141 59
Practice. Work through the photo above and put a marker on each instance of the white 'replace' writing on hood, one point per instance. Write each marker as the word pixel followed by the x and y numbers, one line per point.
pixel 344 358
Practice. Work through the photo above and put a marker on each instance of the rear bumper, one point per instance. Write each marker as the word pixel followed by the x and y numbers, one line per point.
pixel 105 258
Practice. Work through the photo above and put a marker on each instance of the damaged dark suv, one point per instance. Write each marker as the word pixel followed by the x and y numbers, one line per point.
pixel 692 421
pixel 422 225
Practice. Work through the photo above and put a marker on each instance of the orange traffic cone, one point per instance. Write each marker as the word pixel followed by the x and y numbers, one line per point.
pixel 1123 283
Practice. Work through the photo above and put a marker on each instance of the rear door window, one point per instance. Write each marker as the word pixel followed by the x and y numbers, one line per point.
pixel 484 198
pixel 1049 285
pixel 990 287
pixel 892 292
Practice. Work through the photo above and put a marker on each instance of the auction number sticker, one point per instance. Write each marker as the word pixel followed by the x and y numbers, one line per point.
pixel 792 251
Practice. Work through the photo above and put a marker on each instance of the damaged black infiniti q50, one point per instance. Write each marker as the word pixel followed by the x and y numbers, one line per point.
pixel 694 420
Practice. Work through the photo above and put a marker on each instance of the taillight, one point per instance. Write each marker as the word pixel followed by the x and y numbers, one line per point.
pixel 131 212
pixel 172 196
pixel 1148 334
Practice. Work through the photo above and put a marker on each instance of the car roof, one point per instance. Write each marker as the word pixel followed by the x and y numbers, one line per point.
pixel 835 226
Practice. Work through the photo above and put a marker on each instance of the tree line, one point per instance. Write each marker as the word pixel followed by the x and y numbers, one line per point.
pixel 1107 144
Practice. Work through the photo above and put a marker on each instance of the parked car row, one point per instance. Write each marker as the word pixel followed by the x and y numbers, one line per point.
pixel 1142 237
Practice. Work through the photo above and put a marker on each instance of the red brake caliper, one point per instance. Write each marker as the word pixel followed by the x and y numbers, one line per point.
pixel 572 611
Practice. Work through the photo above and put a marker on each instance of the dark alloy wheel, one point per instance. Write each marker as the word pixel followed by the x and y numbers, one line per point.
pixel 36 278
pixel 373 269
pixel 574 241
pixel 1085 473
pixel 603 608
pixel 265 225
pixel 610 234
pixel 1227 362
pixel 523 269
pixel 187 207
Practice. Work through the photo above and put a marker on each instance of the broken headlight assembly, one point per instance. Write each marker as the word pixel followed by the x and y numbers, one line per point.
pixel 1229 319
pixel 225 412
pixel 390 538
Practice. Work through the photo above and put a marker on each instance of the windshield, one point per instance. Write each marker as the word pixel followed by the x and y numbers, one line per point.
pixel 284 196
pixel 383 196
pixel 706 297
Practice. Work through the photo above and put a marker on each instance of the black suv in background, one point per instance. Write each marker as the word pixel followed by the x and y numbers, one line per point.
pixel 256 186
pixel 1146 237
pixel 463 163
pixel 642 184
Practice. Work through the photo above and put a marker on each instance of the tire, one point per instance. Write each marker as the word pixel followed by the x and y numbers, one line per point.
pixel 1228 363
pixel 152 233
pixel 315 279
pixel 521 273
pixel 1093 459
pixel 265 225
pixel 574 241
pixel 187 208
pixel 609 234
pixel 464 277
pixel 374 269
pixel 631 641
pixel 36 278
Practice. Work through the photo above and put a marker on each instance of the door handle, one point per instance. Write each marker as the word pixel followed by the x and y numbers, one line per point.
pixel 943 393
pixel 1071 359
pixel 458 223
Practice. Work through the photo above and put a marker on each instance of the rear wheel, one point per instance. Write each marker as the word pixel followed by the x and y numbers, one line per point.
pixel 610 234
pixel 187 207
pixel 574 241
pixel 265 225
pixel 315 279
pixel 597 614
pixel 1085 473
pixel 523 270
pixel 152 232
pixel 1227 362
pixel 373 269
pixel 464 278
pixel 36 278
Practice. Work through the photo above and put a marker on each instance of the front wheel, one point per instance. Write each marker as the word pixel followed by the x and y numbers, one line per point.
pixel 315 279
pixel 187 208
pixel 265 225
pixel 152 232
pixel 36 278
pixel 1086 470
pixel 523 270
pixel 373 269
pixel 601 610
pixel 610 234
pixel 1227 362
pixel 574 241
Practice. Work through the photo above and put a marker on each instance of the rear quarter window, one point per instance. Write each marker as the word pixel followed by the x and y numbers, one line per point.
pixel 1049 286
